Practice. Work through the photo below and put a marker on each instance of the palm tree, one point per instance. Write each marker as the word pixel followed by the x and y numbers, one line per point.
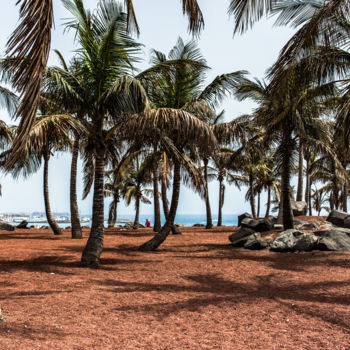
pixel 30 44
pixel 48 134
pixel 172 129
pixel 178 81
pixel 139 176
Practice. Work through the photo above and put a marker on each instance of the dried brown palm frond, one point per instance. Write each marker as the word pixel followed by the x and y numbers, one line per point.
pixel 173 122
pixel 30 44
pixel 195 16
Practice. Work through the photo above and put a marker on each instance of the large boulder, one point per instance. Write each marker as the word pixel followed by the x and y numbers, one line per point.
pixel 23 224
pixel 294 240
pixel 5 226
pixel 254 243
pixel 240 237
pixel 260 225
pixel 298 208
pixel 243 216
pixel 338 218
pixel 265 224
pixel 336 239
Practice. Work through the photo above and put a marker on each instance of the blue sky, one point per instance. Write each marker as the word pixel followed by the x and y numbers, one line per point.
pixel 161 23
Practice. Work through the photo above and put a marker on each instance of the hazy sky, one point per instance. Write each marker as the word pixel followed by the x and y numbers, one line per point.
pixel 161 23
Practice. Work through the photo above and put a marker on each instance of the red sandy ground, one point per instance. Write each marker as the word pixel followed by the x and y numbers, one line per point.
pixel 196 292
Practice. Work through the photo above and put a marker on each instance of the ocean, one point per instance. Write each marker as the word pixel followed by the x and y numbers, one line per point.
pixel 184 219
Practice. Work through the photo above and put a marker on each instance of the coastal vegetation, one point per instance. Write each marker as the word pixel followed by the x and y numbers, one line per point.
pixel 136 130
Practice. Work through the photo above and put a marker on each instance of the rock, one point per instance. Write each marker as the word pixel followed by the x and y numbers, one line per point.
pixel 336 239
pixel 347 222
pixel 67 228
pixel 338 218
pixel 44 227
pixel 306 242
pixel 278 226
pixel 254 243
pixel 198 225
pixel 294 240
pixel 5 226
pixel 285 241
pixel 240 237
pixel 249 222
pixel 23 224
pixel 264 225
pixel 308 226
pixel 297 222
pixel 243 216
pixel 85 226
pixel 298 208
pixel 179 225
pixel 34 226
pixel 260 225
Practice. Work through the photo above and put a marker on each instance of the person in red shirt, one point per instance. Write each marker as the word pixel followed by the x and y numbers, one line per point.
pixel 148 223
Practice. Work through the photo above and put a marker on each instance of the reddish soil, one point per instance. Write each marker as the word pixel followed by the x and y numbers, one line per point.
pixel 196 292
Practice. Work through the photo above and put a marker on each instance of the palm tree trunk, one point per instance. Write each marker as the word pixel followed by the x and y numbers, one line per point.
pixel 74 211
pixel 287 149
pixel 310 199
pixel 137 214
pixel 252 195
pixel 93 249
pixel 50 218
pixel 157 225
pixel 268 201
pixel 345 197
pixel 258 210
pixel 206 196
pixel 175 230
pixel 112 215
pixel 161 236
pixel 300 174
pixel 335 186
pixel 220 203
pixel 307 187
pixel 165 200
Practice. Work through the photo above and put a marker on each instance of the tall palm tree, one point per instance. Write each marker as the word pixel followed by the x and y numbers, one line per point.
pixel 30 44
pixel 178 81
pixel 48 134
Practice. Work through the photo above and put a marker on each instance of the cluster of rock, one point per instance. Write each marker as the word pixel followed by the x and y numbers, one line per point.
pixel 332 236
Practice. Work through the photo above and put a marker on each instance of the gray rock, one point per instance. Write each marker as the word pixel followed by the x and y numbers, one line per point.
pixel 264 225
pixel 334 240
pixel 5 226
pixel 285 241
pixel 338 218
pixel 240 237
pixel 261 225
pixel 254 243
pixel 198 225
pixel 44 227
pixel 243 216
pixel 306 242
pixel 299 208
pixel 23 224
pixel 308 226
pixel 347 222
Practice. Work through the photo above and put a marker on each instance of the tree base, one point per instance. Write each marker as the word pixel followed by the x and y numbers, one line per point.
pixel 77 235
pixel 208 227
pixel 149 246
pixel 90 260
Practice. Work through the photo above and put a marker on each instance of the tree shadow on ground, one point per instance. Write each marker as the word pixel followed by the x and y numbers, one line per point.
pixel 51 264
pixel 22 294
pixel 215 291
pixel 9 329
pixel 280 261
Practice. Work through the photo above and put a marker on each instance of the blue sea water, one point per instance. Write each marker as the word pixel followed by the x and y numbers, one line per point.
pixel 184 219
